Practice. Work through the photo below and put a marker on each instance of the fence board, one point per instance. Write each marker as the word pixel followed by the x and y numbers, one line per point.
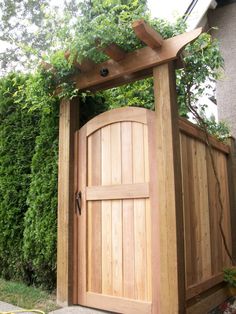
pixel 205 254
pixel 231 165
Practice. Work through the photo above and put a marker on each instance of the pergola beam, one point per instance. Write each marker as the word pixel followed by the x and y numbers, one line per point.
pixel 147 34
pixel 133 63
pixel 126 79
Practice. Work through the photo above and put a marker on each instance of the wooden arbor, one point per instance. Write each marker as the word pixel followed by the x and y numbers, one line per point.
pixel 157 59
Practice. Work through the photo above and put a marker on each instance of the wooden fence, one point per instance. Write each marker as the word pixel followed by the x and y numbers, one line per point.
pixel 206 207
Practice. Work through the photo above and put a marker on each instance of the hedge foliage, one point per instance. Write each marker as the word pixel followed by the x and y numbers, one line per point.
pixel 28 184
pixel 18 131
pixel 40 223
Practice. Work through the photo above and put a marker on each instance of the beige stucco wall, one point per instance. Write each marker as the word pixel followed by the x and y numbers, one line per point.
pixel 225 19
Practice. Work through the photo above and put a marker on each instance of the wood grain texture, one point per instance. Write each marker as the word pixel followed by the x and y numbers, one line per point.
pixel 68 124
pixel 123 244
pixel 106 213
pixel 197 289
pixel 94 215
pixel 214 210
pixel 116 235
pixel 169 191
pixel 147 34
pixel 128 212
pixel 82 220
pixel 139 214
pixel 208 302
pixel 155 221
pixel 114 52
pixel 117 241
pixel 231 167
pixel 205 255
pixel 188 203
pixel 148 211
pixel 202 212
pixel 224 195
pixel 117 115
pixel 128 250
pixel 75 220
pixel 116 304
pixel 121 191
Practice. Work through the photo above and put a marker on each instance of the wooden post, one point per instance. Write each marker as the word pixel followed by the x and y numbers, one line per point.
pixel 68 124
pixel 169 191
pixel 232 193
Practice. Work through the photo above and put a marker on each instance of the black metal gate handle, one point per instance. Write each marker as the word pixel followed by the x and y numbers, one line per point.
pixel 78 201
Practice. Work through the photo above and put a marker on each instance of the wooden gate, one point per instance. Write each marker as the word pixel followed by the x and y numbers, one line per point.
pixel 115 253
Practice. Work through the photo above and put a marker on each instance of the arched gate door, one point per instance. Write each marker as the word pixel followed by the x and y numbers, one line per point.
pixel 116 220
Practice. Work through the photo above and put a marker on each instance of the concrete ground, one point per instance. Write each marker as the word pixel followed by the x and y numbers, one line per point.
pixel 78 310
pixel 6 307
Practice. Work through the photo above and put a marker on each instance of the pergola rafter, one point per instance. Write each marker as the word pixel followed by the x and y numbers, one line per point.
pixel 147 34
pixel 114 52
pixel 135 65
pixel 126 67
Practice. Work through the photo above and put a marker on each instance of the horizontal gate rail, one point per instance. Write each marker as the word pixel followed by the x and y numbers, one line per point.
pixel 112 192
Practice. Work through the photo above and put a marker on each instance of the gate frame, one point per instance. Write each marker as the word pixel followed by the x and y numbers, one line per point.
pixel 158 59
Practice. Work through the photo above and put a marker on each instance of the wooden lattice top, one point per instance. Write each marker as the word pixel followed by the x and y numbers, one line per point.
pixel 128 67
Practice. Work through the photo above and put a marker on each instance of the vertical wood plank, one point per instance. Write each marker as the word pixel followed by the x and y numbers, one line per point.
pixel 148 216
pixel 148 250
pixel 106 213
pixel 128 249
pixel 94 215
pixel 75 227
pixel 82 219
pixel 140 249
pixel 214 210
pixel 205 244
pixel 222 171
pixel 155 222
pixel 201 243
pixel 138 153
pixel 139 215
pixel 117 271
pixel 68 124
pixel 128 212
pixel 196 212
pixel 146 154
pixel 193 206
pixel 171 241
pixel 187 197
pixel 231 167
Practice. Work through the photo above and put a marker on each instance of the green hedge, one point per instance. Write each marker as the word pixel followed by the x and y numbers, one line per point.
pixel 41 217
pixel 28 185
pixel 18 130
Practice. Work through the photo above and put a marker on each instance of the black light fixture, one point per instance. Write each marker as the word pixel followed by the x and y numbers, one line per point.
pixel 104 72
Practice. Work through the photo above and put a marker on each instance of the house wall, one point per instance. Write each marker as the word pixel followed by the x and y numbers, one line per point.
pixel 225 19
